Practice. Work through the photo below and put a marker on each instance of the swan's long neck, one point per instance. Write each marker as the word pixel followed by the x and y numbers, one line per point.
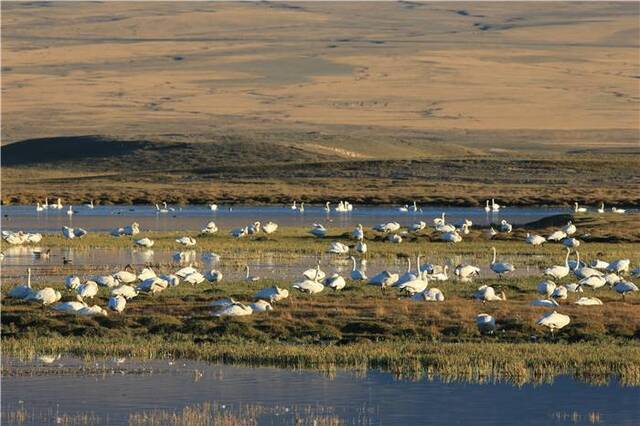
pixel 354 263
pixel 246 268
pixel 494 255
pixel 408 264
pixel 418 267
pixel 317 272
pixel 566 259
pixel 29 277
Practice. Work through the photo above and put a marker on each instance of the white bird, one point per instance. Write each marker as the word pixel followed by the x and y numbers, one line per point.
pixel 269 228
pixel 594 281
pixel 505 226
pixel 433 295
pixel 612 278
pixel 559 271
pixel 106 280
pixel 624 287
pixel 126 276
pixel 387 227
pixel 68 232
pixel 335 281
pixel 39 208
pixel 417 285
pixel 338 248
pixel 249 278
pixel 272 294
pixel 560 292
pixel 601 209
pixel 294 206
pixel 486 323
pixel 491 232
pixel 535 240
pixel 569 228
pixel 384 279
pixel 581 270
pixel 70 211
pixel 222 303
pixel 619 266
pixel 210 256
pixel 314 273
pixel 451 237
pixel 90 205
pixel 311 286
pixel 546 288
pixel 574 288
pixel 557 236
pixel 71 307
pixel 358 232
pixel 146 273
pixel 92 311
pixel 239 232
pixel 254 228
pixel 578 209
pixel 418 226
pixel 588 301
pixel 145 242
pixel 466 272
pixel 87 290
pixel 194 278
pixel 545 303
pixel 117 303
pixel 171 279
pixel 71 282
pixel 126 291
pixel 361 247
pixel 153 285
pixel 395 238
pixel 441 275
pixel 494 206
pixel 187 270
pixel 404 208
pixel 357 274
pixel 46 296
pixel 500 268
pixel 261 305
pixel 186 241
pixel 327 207
pixel 488 294
pixel 22 291
pixel 554 321
pixel 318 230
pixel 234 310
pixel 600 265
pixel 211 228
pixel 80 232
pixel 213 207
pixel 213 276
pixel 407 276
pixel 617 210
pixel 570 242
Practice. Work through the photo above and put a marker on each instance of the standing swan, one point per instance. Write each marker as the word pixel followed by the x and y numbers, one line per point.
pixel 500 268
pixel 249 278
pixel 559 271
pixel 357 274
pixel 578 209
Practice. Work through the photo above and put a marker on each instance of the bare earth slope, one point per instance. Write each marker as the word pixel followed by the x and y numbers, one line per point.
pixel 247 84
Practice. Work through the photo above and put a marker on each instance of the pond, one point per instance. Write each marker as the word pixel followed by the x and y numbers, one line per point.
pixel 121 391
pixel 194 218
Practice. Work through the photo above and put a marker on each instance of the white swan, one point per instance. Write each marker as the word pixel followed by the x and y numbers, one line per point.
pixel 338 248
pixel 213 207
pixel 535 240
pixel 39 208
pixel 617 210
pixel 22 291
pixel 126 291
pixel 594 281
pixel 327 207
pixel 194 278
pixel 451 237
pixel 153 285
pixel 90 205
pixel 272 294
pixel 500 268
pixel 314 273
pixel 384 279
pixel 234 310
pixel 601 209
pixel 488 294
pixel 465 273
pixel 430 295
pixel 571 242
pixel 269 228
pixel 71 282
pixel 554 321
pixel 487 207
pixel 557 236
pixel 311 286
pixel 145 242
pixel 619 266
pixel 505 226
pixel 546 288
pixel 336 282
pixel 407 276
pixel 559 271
pixel 494 206
pixel 560 292
pixel 486 323
pixel 68 232
pixel 117 303
pixel 46 296
pixel 361 247
pixel 211 228
pixel 545 303
pixel 186 241
pixel 418 226
pixel 87 290
pixel 126 276
pixel 249 278
pixel 358 233
pixel 213 276
pixel 357 274
pixel 578 209
pixel 569 228
pixel 394 238
pixel 588 301
pixel 261 306
pixel 239 232
pixel 624 287
pixel 318 230
pixel 301 208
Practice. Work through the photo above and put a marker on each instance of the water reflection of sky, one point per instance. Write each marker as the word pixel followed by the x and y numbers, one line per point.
pixel 104 218
pixel 376 398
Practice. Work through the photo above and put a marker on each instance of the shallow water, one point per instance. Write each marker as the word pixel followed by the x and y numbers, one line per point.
pixel 192 218
pixel 87 262
pixel 112 390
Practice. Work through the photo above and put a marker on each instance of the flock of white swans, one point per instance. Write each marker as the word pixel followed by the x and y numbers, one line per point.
pixel 127 284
